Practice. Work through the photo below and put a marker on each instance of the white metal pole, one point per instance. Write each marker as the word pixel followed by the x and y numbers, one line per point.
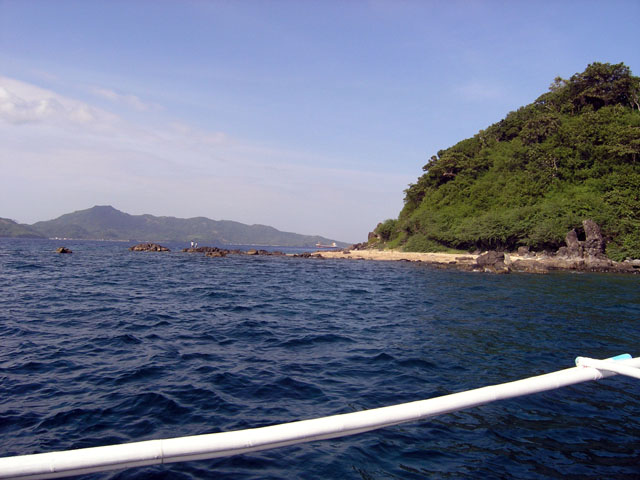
pixel 199 447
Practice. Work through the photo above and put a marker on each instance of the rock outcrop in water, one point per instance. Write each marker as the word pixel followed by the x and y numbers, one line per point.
pixel 581 255
pixel 149 247
pixel 63 250
pixel 216 252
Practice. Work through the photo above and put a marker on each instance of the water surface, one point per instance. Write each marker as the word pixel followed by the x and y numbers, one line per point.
pixel 108 346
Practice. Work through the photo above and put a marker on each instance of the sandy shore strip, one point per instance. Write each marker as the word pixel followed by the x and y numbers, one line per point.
pixel 396 255
pixel 509 262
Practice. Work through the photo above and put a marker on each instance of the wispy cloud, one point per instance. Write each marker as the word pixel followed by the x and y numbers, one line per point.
pixel 165 167
pixel 131 101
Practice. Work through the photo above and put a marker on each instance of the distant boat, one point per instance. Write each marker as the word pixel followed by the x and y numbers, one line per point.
pixel 333 245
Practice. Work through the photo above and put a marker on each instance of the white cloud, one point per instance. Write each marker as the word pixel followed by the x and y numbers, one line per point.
pixel 22 103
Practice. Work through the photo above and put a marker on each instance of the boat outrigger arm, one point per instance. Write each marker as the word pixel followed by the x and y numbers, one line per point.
pixel 200 447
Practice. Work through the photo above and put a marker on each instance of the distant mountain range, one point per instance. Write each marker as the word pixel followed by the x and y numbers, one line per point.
pixel 9 228
pixel 108 223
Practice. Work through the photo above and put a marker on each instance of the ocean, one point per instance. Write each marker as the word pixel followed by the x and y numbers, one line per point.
pixel 109 346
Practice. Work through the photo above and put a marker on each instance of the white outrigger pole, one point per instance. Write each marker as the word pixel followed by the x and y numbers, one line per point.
pixel 200 447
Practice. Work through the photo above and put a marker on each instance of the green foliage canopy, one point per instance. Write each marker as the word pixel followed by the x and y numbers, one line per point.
pixel 573 154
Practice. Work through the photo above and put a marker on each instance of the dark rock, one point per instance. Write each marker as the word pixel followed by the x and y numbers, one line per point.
pixel 523 251
pixel 529 266
pixel 149 247
pixel 594 244
pixel 63 250
pixel 373 236
pixel 216 253
pixel 490 258
pixel 308 255
pixel 492 262
pixel 203 250
pixel 574 246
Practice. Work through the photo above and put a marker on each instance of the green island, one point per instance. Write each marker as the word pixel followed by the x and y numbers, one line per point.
pixel 525 181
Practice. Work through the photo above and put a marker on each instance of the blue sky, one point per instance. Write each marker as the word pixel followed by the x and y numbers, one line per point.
pixel 309 116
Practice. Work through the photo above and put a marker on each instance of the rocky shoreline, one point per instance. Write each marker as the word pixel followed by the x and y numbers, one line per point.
pixel 492 261
pixel 578 255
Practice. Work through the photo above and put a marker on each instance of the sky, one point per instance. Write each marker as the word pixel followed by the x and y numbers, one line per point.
pixel 309 116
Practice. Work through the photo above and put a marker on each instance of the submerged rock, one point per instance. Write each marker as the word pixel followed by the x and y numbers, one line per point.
pixel 149 247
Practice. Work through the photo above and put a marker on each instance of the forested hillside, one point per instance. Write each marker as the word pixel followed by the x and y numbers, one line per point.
pixel 571 155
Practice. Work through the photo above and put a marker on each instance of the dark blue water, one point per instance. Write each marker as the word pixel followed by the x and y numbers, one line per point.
pixel 108 346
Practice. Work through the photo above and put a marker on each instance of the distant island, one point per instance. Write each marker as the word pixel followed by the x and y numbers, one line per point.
pixel 529 180
pixel 108 223
pixel 10 228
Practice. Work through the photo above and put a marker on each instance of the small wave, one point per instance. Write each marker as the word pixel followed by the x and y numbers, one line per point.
pixel 419 363
pixel 152 405
pixel 29 266
pixel 287 387
pixel 127 339
pixel 205 357
pixel 356 291
pixel 310 340
pixel 141 374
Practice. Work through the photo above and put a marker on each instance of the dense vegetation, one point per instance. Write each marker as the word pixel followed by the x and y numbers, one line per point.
pixel 572 154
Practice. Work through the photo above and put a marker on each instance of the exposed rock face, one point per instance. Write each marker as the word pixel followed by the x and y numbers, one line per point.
pixel 149 247
pixel 574 246
pixel 594 244
pixel 591 248
pixel 373 236
pixel 63 250
pixel 492 262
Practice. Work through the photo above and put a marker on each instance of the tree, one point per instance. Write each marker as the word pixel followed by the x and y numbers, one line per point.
pixel 603 84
